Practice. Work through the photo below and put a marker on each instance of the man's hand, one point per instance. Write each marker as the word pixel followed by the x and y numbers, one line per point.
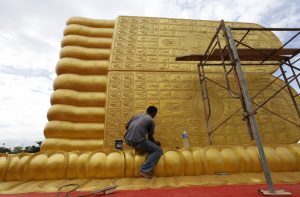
pixel 158 143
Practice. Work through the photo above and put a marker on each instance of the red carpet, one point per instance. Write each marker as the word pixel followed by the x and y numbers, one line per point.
pixel 215 191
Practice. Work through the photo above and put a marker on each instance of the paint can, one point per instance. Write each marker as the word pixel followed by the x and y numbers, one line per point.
pixel 119 144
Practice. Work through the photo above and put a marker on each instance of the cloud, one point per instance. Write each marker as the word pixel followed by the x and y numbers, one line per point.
pixel 26 72
pixel 24 103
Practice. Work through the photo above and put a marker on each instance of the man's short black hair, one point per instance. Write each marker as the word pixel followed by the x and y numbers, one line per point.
pixel 151 110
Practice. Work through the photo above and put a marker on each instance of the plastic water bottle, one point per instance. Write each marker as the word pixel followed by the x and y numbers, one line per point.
pixel 185 139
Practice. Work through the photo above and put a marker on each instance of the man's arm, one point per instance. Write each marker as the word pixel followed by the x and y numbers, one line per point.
pixel 151 134
pixel 151 137
pixel 128 123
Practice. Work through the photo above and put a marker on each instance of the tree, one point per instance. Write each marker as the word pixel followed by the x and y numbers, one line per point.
pixel 5 150
pixel 33 148
pixel 17 149
pixel 39 143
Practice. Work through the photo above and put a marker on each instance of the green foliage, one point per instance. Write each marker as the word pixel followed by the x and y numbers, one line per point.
pixel 19 149
pixel 5 150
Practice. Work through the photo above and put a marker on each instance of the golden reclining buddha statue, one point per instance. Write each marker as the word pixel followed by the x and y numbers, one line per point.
pixel 110 70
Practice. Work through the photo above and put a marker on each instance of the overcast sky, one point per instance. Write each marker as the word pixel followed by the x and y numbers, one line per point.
pixel 31 31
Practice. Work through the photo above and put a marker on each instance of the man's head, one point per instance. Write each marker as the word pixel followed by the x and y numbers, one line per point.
pixel 152 110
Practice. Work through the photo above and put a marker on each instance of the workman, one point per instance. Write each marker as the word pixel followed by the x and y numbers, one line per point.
pixel 137 128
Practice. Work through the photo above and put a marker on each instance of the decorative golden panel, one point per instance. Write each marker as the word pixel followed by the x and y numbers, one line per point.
pixel 143 72
pixel 143 43
pixel 177 96
pixel 173 93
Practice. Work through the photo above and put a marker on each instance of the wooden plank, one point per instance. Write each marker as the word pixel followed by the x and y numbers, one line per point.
pixel 245 54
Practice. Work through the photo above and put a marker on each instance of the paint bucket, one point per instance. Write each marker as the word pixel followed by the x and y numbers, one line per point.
pixel 119 144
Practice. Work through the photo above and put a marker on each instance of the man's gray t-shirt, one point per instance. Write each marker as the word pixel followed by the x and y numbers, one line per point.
pixel 138 127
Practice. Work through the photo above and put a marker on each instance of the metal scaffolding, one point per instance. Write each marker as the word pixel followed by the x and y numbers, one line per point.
pixel 232 58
